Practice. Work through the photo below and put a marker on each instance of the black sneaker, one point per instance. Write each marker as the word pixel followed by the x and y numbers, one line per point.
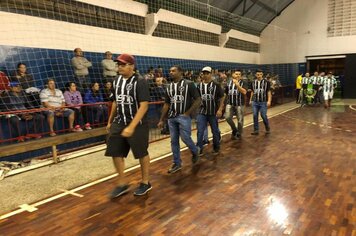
pixel 216 151
pixel 142 189
pixel 118 191
pixel 233 135
pixel 195 157
pixel 206 142
pixel 255 132
pixel 201 152
pixel 174 168
pixel 268 130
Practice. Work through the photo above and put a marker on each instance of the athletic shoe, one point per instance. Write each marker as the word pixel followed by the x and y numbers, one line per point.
pixel 216 151
pixel 195 157
pixel 255 132
pixel 21 139
pixel 87 126
pixel 77 129
pixel 268 130
pixel 142 189
pixel 206 142
pixel 200 152
pixel 174 168
pixel 118 191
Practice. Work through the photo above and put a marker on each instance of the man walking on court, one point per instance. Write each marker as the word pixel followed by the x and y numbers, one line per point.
pixel 261 98
pixel 211 108
pixel 236 91
pixel 182 99
pixel 127 125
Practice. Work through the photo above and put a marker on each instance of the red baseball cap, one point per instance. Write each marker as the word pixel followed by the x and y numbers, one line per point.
pixel 126 58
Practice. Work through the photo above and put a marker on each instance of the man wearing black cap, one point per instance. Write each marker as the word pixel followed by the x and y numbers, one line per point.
pixel 211 108
pixel 182 99
pixel 127 125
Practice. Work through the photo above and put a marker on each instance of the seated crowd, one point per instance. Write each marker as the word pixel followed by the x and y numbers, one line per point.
pixel 24 107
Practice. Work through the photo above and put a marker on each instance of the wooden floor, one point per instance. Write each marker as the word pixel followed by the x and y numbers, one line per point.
pixel 300 180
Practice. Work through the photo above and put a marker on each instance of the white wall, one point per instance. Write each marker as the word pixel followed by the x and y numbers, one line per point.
pixel 127 6
pixel 28 31
pixel 300 31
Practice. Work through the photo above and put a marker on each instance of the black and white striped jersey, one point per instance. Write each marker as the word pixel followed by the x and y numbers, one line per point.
pixel 305 80
pixel 210 93
pixel 234 96
pixel 180 96
pixel 329 84
pixel 128 93
pixel 260 89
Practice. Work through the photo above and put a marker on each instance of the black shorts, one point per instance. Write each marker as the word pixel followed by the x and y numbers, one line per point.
pixel 118 146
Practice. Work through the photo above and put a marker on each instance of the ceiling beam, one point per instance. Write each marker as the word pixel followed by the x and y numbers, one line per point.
pixel 235 6
pixel 264 6
pixel 246 10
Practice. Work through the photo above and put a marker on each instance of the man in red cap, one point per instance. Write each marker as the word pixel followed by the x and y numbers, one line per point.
pixel 128 126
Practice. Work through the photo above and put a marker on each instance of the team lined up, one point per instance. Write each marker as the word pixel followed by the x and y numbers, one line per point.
pixel 128 128
pixel 316 88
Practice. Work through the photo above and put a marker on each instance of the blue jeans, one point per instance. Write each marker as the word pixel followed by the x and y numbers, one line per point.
pixel 259 107
pixel 181 126
pixel 229 113
pixel 202 122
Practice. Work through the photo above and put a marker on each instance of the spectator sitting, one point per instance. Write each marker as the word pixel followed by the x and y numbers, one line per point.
pixel 73 98
pixel 109 67
pixel 108 92
pixel 53 99
pixel 93 96
pixel 28 84
pixel 15 100
pixel 24 78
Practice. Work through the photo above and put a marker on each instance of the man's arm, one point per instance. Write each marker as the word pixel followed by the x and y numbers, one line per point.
pixel 87 63
pixel 241 89
pixel 76 64
pixel 193 107
pixel 164 112
pixel 251 96
pixel 108 65
pixel 112 115
pixel 221 106
pixel 194 93
pixel 269 98
pixel 130 129
pixel 46 105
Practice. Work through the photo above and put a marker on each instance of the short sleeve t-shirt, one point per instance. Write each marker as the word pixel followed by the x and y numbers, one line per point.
pixel 128 93
pixel 180 96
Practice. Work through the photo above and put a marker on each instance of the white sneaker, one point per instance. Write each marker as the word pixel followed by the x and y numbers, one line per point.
pixel 87 126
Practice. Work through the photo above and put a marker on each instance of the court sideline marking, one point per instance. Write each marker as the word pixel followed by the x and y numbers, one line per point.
pixel 33 207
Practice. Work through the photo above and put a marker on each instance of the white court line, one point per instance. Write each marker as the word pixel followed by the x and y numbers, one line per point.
pixel 70 192
pixel 352 108
pixel 28 208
